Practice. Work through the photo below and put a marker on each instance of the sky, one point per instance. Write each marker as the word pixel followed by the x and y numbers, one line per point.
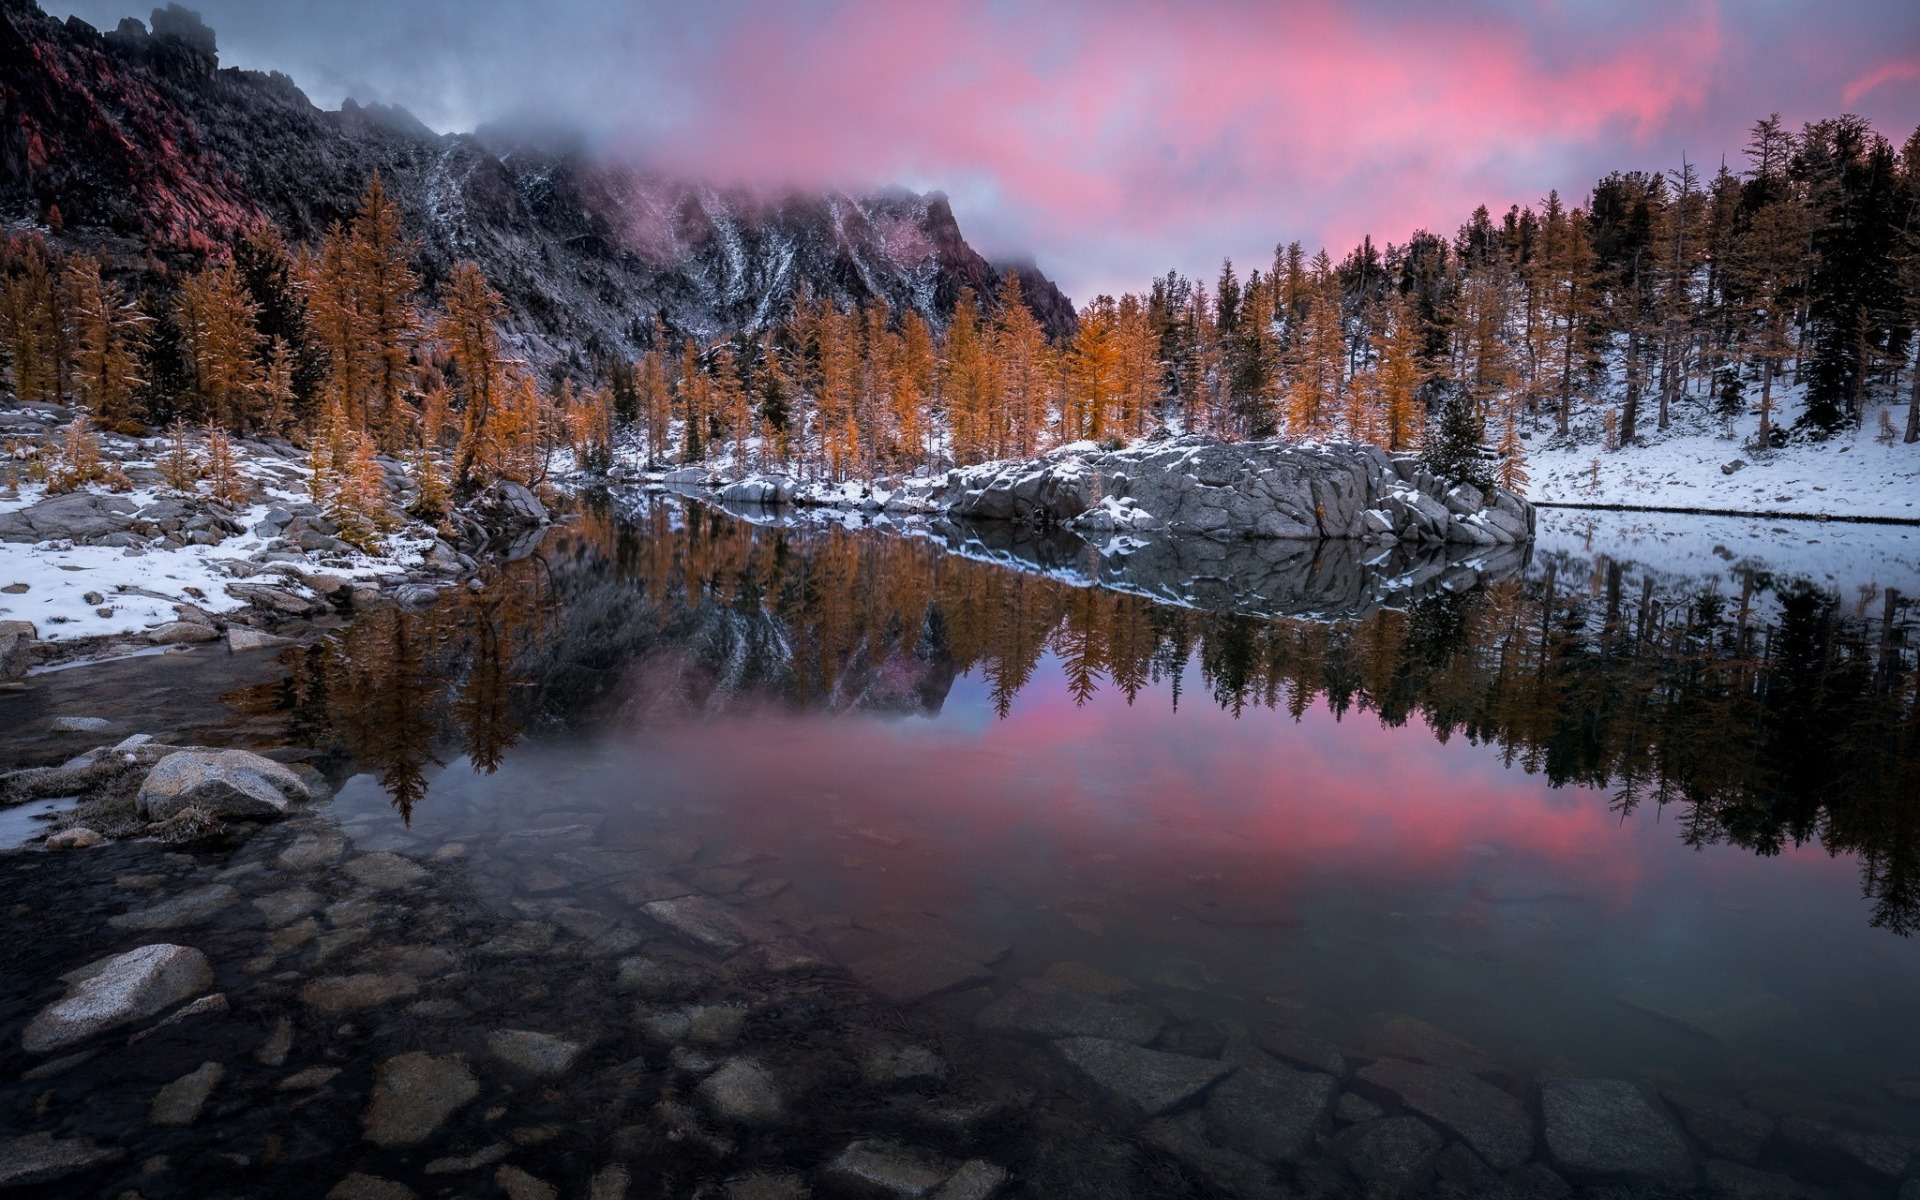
pixel 1112 140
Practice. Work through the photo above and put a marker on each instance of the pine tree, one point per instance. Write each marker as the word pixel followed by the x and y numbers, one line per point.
pixel 180 466
pixel 469 330
pixel 216 320
pixel 225 483
pixel 108 334
pixel 389 323
pixel 432 499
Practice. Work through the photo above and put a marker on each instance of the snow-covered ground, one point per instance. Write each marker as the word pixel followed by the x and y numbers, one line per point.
pixel 51 583
pixel 1851 474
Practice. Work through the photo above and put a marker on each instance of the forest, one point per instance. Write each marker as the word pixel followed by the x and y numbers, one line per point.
pixel 1662 290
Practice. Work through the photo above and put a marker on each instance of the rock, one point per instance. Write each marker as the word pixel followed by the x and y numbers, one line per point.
pixel 179 1103
pixel 1352 1108
pixel 709 1024
pixel 117 991
pixel 335 994
pixel 412 1094
pixel 284 908
pixel 1881 1154
pixel 505 507
pixel 540 1054
pixel 370 1187
pixel 913 973
pixel 181 633
pixel 416 595
pixel 42 1158
pixel 1483 1116
pixel 75 516
pixel 457 1164
pixel 1725 1127
pixel 1223 1172
pixel 977 1179
pixel 222 783
pixel 1151 1081
pixel 768 1185
pixel 703 923
pixel 1268 1110
pixel 659 979
pixel 761 489
pixel 1728 468
pixel 1041 1008
pixel 81 725
pixel 519 940
pixel 383 871
pixel 1730 1011
pixel 17 640
pixel 742 1091
pixel 1393 1158
pixel 1092 980
pixel 610 1183
pixel 1397 1035
pixel 273 1052
pixel 78 837
pixel 721 881
pixel 242 638
pixel 1303 1048
pixel 188 908
pixel 873 1166
pixel 518 1185
pixel 883 1066
pixel 1604 1130
pixel 308 1080
pixel 1736 1181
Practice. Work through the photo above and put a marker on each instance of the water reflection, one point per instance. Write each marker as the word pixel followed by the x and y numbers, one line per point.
pixel 1770 715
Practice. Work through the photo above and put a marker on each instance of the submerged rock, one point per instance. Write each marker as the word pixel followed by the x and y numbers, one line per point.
pixel 1394 1157
pixel 1483 1116
pixel 742 1091
pixel 221 783
pixel 118 991
pixel 188 908
pixel 1042 1008
pixel 875 1167
pixel 43 1158
pixel 916 972
pixel 412 1094
pixel 179 1103
pixel 1150 1081
pixel 1604 1130
pixel 1268 1110
pixel 540 1054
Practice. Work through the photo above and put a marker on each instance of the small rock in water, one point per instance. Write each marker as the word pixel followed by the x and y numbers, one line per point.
pixel 742 1091
pixel 179 1103
pixel 81 725
pixel 1486 1118
pixel 609 1183
pixel 1303 1048
pixel 117 991
pixel 518 1185
pixel 1725 1127
pixel 1605 1129
pixel 540 1054
pixel 78 837
pixel 312 850
pixel 519 940
pixel 181 633
pixel 241 638
pixel 383 871
pixel 872 1165
pixel 273 1052
pixel 885 1065
pixel 188 908
pixel 412 1094
pixel 1397 1035
pixel 976 1179
pixel 914 973
pixel 703 923
pixel 1045 1009
pixel 370 1187
pixel 1151 1081
pixel 1393 1157
pixel 347 993
pixel 43 1158
pixel 768 1185
pixel 307 1080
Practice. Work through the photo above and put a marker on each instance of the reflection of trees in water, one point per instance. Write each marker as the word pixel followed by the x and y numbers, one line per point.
pixel 1797 729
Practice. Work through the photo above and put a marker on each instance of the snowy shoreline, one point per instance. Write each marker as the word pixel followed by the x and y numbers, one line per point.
pixel 1751 514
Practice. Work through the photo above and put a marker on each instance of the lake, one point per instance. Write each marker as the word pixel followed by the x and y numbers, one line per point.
pixel 699 853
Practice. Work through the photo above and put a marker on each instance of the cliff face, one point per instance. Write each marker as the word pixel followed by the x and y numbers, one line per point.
pixel 137 137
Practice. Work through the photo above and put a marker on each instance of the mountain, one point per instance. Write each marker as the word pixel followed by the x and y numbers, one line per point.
pixel 137 140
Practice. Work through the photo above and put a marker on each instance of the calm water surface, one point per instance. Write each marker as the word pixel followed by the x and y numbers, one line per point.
pixel 1601 818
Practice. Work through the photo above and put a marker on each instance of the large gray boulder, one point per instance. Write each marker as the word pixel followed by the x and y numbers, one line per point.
pixel 116 991
pixel 1486 1118
pixel 506 507
pixel 221 783
pixel 1236 490
pixel 75 516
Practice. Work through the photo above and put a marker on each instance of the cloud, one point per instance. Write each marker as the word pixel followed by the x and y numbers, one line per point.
pixel 1114 140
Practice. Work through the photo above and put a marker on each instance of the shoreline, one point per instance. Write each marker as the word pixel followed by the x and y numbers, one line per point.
pixel 1748 514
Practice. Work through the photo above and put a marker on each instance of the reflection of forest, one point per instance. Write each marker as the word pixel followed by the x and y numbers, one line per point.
pixel 1799 727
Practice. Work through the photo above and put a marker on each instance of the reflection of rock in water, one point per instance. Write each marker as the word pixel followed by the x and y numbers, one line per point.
pixel 1267 577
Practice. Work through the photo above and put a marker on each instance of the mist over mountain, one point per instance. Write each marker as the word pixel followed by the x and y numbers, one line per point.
pixel 135 141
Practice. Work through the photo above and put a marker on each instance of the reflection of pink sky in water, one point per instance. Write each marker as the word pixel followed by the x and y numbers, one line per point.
pixel 1159 804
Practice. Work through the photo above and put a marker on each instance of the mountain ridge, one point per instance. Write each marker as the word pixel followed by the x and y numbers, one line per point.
pixel 136 141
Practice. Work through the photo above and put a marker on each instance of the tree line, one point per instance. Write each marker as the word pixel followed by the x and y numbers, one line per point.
pixel 1663 289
